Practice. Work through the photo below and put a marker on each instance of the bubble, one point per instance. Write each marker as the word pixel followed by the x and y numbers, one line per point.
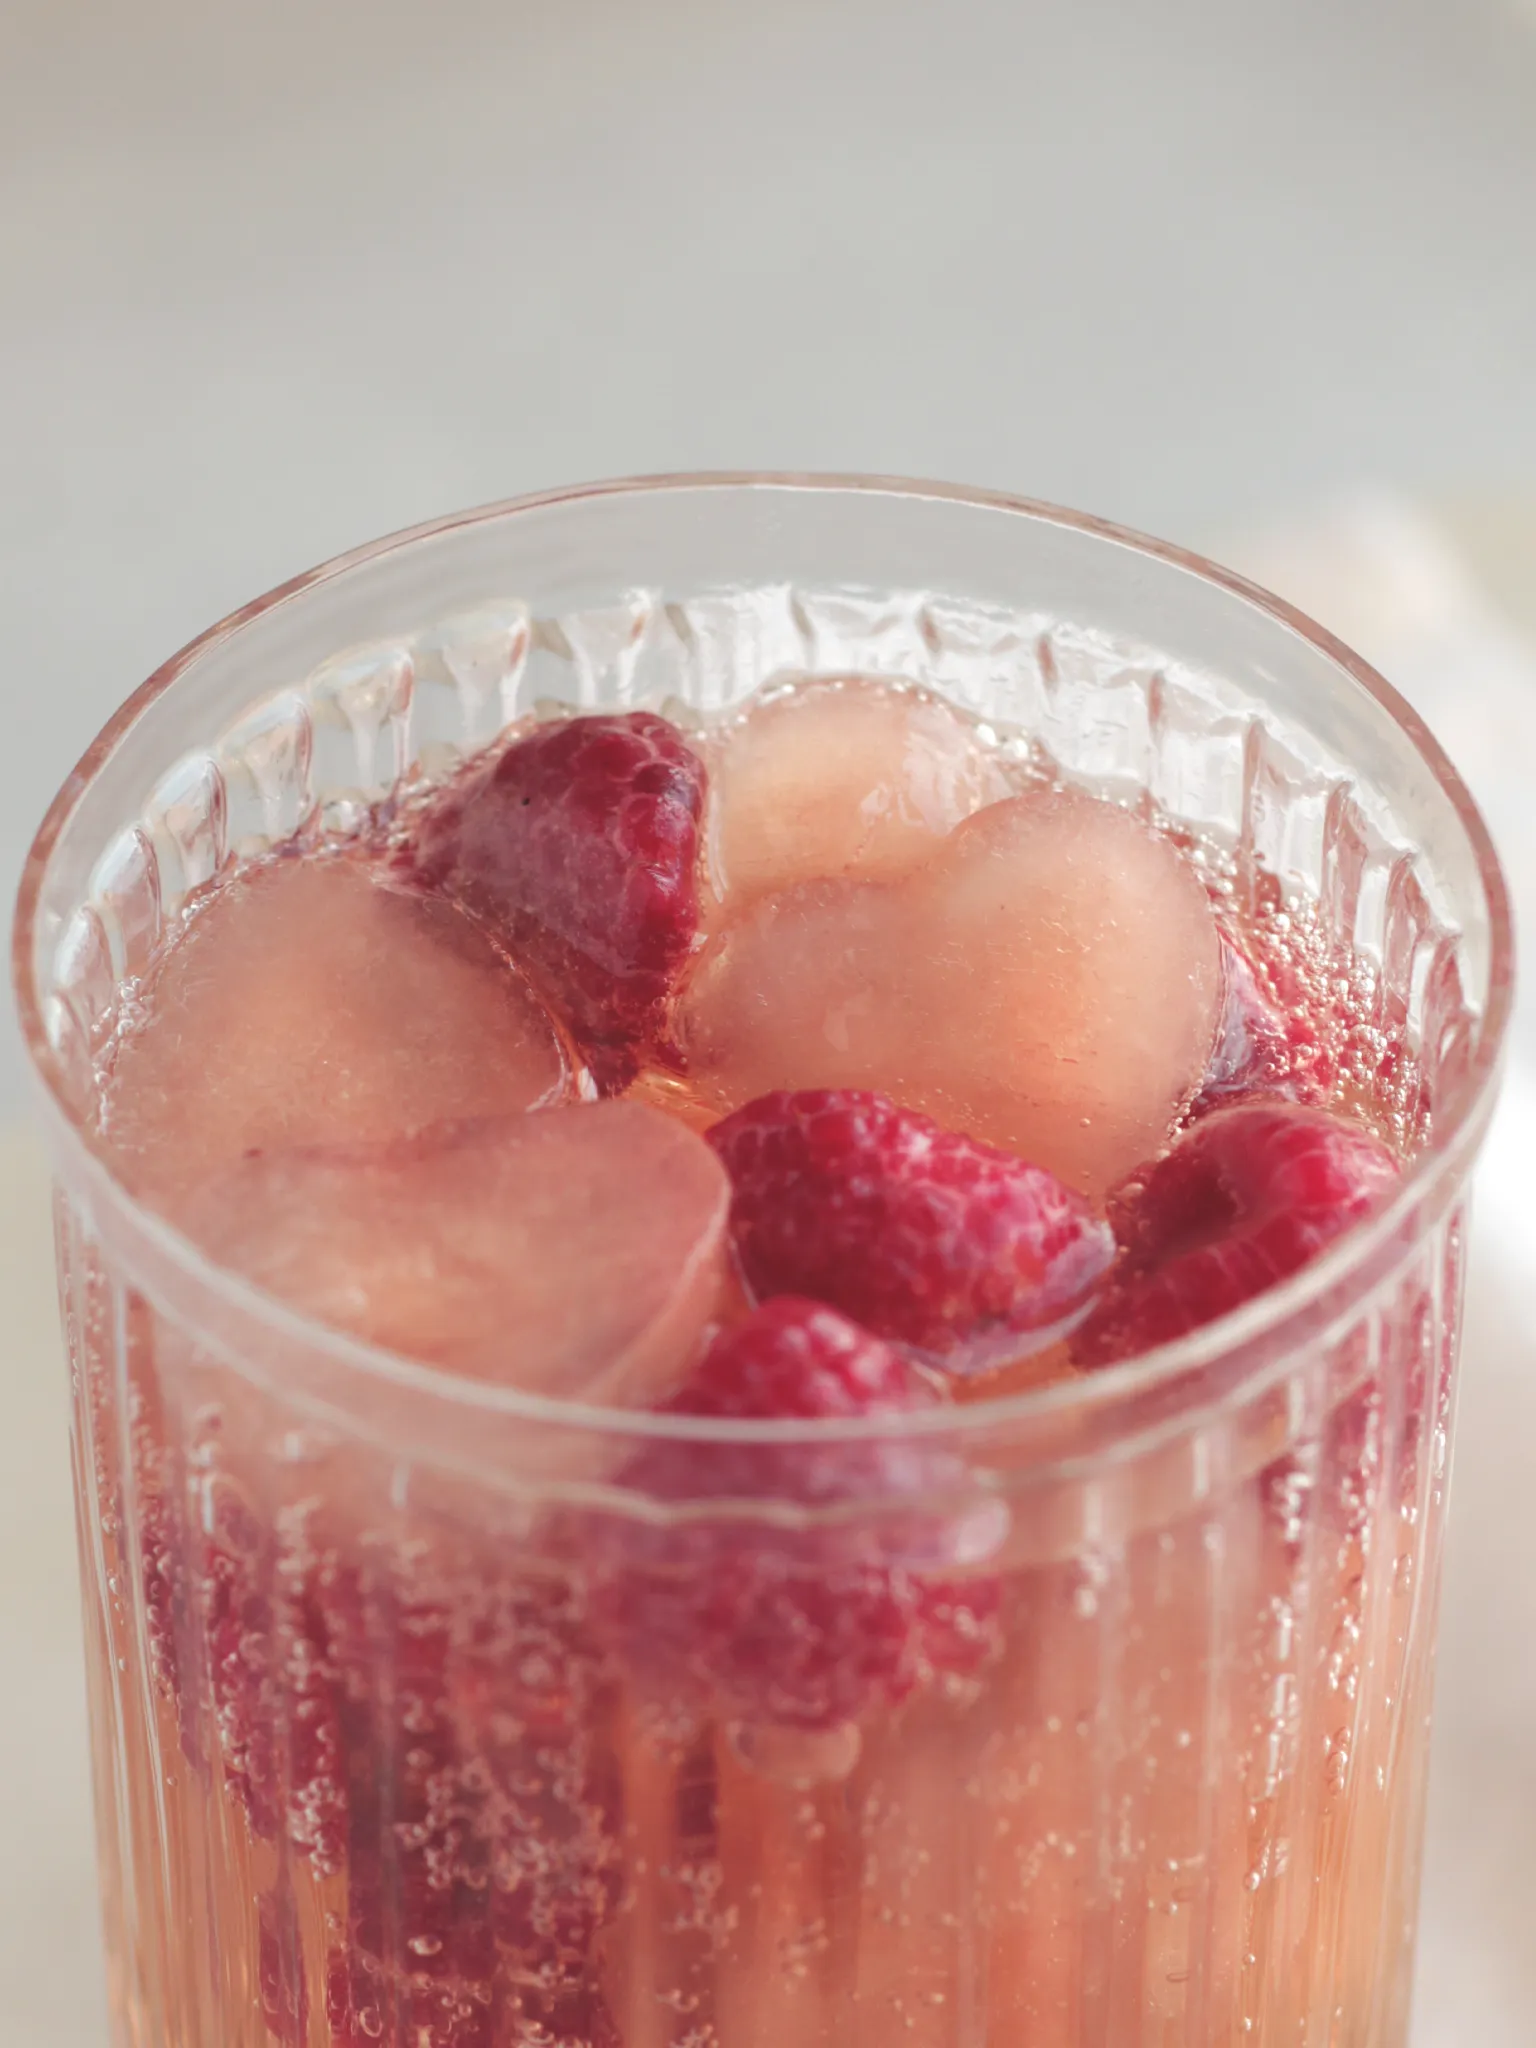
pixel 798 1757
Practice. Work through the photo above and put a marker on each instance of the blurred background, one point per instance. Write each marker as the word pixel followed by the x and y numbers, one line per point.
pixel 281 275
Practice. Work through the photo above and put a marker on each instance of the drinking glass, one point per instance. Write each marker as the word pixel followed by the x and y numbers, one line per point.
pixel 399 1735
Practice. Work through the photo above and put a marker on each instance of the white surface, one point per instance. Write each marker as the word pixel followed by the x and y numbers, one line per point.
pixel 278 275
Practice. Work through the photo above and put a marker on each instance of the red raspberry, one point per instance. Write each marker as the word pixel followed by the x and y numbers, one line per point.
pixel 926 1237
pixel 813 1625
pixel 579 849
pixel 1242 1201
pixel 796 1360
pixel 1262 1047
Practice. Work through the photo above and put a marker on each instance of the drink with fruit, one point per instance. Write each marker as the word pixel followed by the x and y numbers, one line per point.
pixel 761 1247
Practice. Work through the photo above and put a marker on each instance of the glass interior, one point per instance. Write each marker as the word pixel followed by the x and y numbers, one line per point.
pixel 1133 668
pixel 419 1723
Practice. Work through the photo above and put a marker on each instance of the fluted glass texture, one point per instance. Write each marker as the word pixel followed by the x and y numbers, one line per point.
pixel 373 1763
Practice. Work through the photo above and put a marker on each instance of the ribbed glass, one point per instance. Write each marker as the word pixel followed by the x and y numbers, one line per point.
pixel 375 1761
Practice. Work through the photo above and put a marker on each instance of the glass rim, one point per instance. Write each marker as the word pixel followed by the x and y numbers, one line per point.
pixel 1263 1321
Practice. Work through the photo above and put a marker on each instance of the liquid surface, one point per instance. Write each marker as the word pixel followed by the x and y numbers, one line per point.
pixel 848 888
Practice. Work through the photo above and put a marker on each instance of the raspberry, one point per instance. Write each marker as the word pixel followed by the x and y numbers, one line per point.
pixel 927 1238
pixel 803 1627
pixel 1242 1201
pixel 579 849
pixel 795 1360
pixel 1262 1047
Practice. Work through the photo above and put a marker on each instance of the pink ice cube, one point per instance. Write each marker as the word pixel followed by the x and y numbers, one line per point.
pixel 577 1252
pixel 840 777
pixel 1050 982
pixel 304 1003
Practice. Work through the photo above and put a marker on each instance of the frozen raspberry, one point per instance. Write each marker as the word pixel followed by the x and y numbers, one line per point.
pixel 805 1626
pixel 1262 1047
pixel 927 1238
pixel 1243 1200
pixel 579 848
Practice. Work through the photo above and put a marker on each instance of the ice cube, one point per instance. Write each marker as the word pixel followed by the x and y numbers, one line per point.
pixel 576 1252
pixel 305 1003
pixel 1049 982
pixel 809 988
pixel 840 777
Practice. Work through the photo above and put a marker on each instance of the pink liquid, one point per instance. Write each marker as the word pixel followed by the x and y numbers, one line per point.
pixel 370 1769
